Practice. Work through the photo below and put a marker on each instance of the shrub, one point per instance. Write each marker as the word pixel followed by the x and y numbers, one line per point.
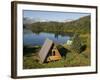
pixel 76 43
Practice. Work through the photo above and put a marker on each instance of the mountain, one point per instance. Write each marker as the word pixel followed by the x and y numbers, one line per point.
pixel 27 20
pixel 84 24
pixel 81 25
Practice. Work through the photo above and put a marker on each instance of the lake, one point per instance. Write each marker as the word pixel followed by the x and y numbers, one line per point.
pixel 37 39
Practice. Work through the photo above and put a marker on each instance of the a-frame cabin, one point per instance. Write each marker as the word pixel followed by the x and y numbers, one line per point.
pixel 49 52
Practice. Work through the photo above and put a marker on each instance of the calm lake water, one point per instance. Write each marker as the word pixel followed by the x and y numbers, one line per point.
pixel 34 39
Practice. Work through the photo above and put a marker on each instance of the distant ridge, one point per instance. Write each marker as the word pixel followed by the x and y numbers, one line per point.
pixel 80 25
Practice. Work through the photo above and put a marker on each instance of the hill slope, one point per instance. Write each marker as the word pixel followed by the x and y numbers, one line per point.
pixel 81 25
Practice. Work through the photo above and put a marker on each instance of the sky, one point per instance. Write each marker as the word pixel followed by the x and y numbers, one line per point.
pixel 52 15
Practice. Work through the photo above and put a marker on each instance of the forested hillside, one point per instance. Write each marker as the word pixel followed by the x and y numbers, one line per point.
pixel 81 25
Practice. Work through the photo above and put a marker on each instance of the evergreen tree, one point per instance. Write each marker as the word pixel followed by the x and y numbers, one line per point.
pixel 76 43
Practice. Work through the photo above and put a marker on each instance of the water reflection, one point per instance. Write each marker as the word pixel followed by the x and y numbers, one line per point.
pixel 34 39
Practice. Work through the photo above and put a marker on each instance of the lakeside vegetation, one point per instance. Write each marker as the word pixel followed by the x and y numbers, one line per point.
pixel 70 57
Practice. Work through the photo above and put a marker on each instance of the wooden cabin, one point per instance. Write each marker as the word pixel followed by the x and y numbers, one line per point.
pixel 49 52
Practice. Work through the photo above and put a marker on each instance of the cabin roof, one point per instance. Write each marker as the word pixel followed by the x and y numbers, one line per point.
pixel 45 49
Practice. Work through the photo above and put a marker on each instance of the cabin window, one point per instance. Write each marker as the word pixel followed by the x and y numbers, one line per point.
pixel 54 53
